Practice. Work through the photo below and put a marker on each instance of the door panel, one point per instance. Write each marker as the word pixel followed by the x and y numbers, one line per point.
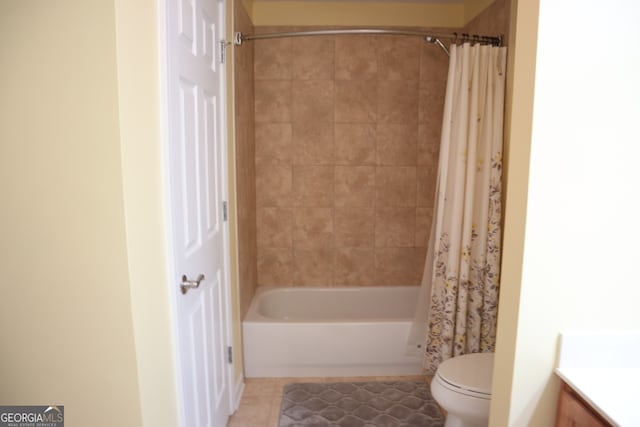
pixel 188 157
pixel 197 174
pixel 214 202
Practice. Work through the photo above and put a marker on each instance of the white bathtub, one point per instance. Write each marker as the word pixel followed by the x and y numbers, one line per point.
pixel 323 332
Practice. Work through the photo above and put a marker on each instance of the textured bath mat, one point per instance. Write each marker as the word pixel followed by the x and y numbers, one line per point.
pixel 365 404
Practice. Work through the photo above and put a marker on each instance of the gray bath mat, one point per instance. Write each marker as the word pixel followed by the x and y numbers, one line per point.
pixel 366 404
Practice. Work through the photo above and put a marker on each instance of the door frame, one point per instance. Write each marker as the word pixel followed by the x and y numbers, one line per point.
pixel 168 207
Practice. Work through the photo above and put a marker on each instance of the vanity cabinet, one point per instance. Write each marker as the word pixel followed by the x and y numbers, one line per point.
pixel 573 411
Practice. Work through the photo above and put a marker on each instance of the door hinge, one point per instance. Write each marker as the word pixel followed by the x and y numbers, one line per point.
pixel 225 212
pixel 229 354
pixel 223 51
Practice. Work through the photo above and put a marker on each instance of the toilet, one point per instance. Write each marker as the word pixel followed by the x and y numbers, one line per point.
pixel 462 387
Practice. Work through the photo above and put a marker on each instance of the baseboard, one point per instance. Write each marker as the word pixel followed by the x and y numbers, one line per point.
pixel 238 390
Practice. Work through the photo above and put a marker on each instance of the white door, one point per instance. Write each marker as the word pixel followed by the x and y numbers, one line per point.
pixel 197 174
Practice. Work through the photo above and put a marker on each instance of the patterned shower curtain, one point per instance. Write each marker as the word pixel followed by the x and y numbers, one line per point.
pixel 465 253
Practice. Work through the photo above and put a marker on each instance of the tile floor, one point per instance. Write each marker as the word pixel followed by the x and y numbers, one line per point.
pixel 262 397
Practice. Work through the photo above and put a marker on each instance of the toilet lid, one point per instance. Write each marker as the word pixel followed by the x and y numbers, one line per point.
pixel 472 372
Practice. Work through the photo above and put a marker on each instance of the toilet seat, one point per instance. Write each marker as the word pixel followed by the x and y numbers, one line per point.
pixel 470 374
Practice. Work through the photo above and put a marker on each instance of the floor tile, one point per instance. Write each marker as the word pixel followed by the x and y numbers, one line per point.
pixel 262 397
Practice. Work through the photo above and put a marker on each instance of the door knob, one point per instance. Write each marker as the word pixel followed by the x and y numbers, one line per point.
pixel 187 284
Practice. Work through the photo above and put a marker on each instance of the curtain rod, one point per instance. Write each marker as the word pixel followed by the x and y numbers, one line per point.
pixel 429 37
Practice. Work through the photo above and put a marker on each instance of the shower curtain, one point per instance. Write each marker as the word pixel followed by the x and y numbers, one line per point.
pixel 459 294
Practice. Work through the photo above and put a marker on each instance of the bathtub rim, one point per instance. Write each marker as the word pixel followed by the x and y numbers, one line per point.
pixel 253 316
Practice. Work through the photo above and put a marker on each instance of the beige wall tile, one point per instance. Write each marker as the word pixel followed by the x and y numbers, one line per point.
pixel 245 166
pixel 312 101
pixel 273 59
pixel 313 143
pixel 355 58
pixel 313 58
pixel 313 186
pixel 398 57
pixel 395 266
pixel 434 64
pixel 346 142
pixel 355 186
pixel 396 144
pixel 243 60
pixel 431 101
pixel 354 267
pixel 273 143
pixel 395 226
pixel 354 228
pixel 313 267
pixel 272 101
pixel 396 186
pixel 275 227
pixel 356 101
pixel 274 185
pixel 420 255
pixel 355 144
pixel 398 101
pixel 427 177
pixel 244 102
pixel 275 267
pixel 429 142
pixel 424 216
pixel 313 228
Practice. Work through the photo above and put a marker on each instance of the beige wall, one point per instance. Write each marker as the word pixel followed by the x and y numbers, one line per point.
pixel 352 13
pixel 141 145
pixel 139 76
pixel 472 8
pixel 571 265
pixel 518 114
pixel 347 134
pixel 85 300
pixel 65 311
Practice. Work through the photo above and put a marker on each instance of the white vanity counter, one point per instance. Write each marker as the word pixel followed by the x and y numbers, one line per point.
pixel 603 367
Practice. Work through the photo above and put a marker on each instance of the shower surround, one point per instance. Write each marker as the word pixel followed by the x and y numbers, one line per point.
pixel 347 130
pixel 244 150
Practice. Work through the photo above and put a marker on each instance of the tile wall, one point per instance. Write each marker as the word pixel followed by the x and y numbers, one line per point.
pixel 493 21
pixel 347 132
pixel 245 165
